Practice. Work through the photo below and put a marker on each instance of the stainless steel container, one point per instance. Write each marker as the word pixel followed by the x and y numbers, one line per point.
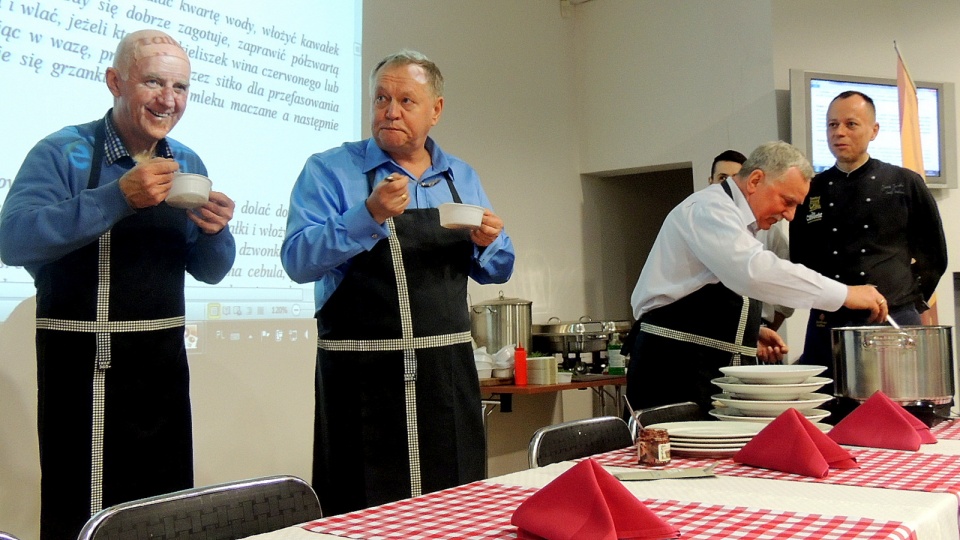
pixel 585 335
pixel 911 365
pixel 497 323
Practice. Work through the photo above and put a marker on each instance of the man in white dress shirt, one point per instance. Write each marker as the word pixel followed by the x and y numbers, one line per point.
pixel 725 165
pixel 707 261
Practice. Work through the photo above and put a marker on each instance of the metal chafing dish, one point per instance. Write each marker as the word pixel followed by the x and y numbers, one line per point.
pixel 572 338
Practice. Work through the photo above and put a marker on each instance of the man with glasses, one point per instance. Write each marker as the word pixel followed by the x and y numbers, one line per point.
pixel 696 299
pixel 725 165
pixel 397 396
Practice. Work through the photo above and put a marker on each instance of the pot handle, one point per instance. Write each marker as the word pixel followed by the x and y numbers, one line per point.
pixel 896 341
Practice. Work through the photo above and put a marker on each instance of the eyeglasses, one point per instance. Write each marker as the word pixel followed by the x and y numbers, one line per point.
pixel 422 183
pixel 429 183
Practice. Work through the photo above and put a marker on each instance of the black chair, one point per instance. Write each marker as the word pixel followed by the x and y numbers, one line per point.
pixel 577 439
pixel 220 512
pixel 674 412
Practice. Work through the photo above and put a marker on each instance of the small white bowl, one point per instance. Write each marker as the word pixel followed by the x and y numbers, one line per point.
pixel 460 216
pixel 502 373
pixel 189 190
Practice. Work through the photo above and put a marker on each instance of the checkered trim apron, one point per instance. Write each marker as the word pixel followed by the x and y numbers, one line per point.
pixel 86 294
pixel 377 314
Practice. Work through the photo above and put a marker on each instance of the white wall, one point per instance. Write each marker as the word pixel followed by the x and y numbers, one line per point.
pixel 534 101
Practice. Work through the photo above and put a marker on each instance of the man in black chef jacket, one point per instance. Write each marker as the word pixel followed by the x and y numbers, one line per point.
pixel 866 222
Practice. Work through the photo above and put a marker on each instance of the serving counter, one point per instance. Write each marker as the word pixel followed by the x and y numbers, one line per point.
pixel 504 393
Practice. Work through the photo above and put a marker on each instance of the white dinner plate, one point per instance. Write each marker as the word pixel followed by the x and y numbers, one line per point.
pixel 736 388
pixel 735 416
pixel 773 373
pixel 707 429
pixel 771 408
pixel 715 445
pixel 716 453
pixel 712 440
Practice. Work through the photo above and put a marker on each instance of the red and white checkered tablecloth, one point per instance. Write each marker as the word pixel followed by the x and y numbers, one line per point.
pixel 889 469
pixel 949 430
pixel 482 510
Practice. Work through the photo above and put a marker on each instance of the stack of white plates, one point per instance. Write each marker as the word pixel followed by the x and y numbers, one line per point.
pixel 760 393
pixel 708 439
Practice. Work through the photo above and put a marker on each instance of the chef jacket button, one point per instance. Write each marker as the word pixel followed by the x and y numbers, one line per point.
pixel 374 236
pixel 863 251
pixel 873 177
pixel 834 252
pixel 834 229
pixel 836 276
pixel 866 226
pixel 868 199
pixel 830 183
pixel 863 273
pixel 831 204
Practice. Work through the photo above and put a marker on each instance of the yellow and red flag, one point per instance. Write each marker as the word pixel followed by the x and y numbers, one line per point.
pixel 910 146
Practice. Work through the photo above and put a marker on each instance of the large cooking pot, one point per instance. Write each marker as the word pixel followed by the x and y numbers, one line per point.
pixel 497 323
pixel 911 365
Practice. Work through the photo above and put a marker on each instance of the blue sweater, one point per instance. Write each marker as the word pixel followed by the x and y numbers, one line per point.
pixel 49 212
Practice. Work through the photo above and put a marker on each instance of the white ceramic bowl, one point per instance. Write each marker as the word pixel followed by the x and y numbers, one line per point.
pixel 769 392
pixel 460 216
pixel 502 373
pixel 772 408
pixel 773 373
pixel 189 190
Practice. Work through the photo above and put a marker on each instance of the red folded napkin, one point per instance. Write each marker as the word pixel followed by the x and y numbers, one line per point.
pixel 791 443
pixel 879 422
pixel 588 502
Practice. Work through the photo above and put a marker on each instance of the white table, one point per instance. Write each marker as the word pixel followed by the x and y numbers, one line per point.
pixel 934 516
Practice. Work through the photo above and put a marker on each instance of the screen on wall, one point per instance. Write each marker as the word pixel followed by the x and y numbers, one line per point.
pixel 272 83
pixel 811 94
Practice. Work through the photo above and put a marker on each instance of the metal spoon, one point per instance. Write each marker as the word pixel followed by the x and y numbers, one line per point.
pixel 890 320
pixel 633 415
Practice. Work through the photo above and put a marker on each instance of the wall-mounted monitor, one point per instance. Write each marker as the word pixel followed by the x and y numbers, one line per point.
pixel 812 92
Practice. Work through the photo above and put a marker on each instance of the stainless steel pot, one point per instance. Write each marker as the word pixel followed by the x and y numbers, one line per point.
pixel 497 323
pixel 912 365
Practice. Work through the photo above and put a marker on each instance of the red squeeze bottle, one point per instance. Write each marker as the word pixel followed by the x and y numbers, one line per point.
pixel 520 366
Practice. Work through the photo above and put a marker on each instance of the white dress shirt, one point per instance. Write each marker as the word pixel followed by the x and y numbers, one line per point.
pixel 775 240
pixel 710 238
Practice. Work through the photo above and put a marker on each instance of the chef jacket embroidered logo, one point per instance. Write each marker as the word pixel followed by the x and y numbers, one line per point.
pixel 813 215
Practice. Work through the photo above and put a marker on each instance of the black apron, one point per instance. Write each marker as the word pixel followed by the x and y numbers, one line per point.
pixel 680 347
pixel 397 396
pixel 114 411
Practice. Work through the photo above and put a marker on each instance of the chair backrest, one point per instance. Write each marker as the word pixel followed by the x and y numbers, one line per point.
pixel 674 412
pixel 223 511
pixel 577 439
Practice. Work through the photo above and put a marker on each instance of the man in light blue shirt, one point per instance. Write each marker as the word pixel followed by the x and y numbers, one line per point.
pixel 397 396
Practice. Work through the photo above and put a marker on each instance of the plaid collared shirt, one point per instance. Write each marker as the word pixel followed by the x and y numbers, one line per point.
pixel 115 149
